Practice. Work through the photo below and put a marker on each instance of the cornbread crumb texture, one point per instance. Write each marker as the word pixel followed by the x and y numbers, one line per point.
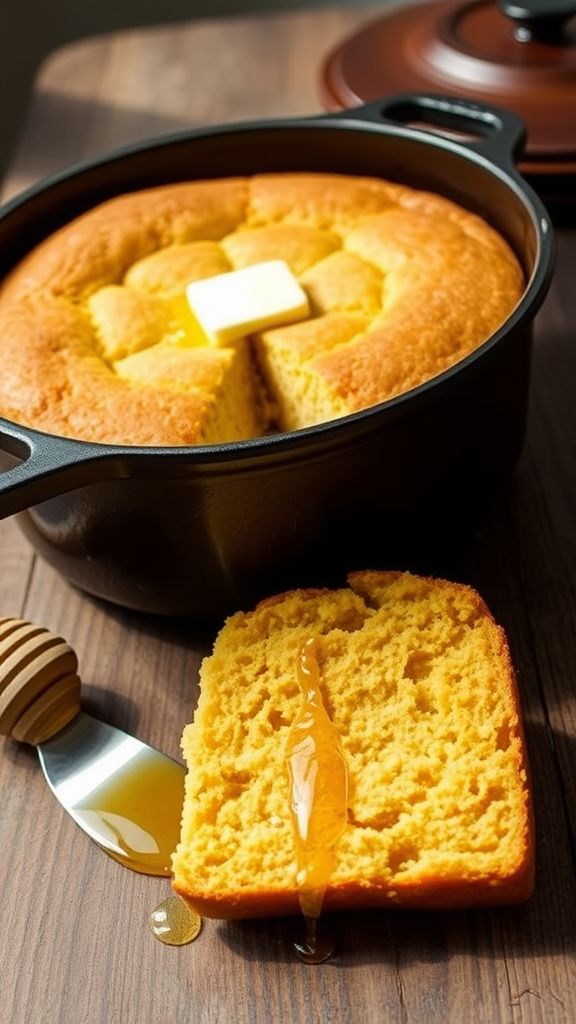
pixel 101 344
pixel 417 678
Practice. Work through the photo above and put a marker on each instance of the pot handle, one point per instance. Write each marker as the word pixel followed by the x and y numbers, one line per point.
pixel 497 134
pixel 50 466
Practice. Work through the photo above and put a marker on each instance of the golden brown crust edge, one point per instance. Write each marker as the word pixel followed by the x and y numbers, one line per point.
pixel 440 894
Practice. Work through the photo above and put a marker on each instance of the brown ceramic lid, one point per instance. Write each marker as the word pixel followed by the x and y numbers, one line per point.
pixel 517 55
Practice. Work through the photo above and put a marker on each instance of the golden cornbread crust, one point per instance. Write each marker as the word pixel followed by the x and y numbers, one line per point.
pixel 418 681
pixel 97 342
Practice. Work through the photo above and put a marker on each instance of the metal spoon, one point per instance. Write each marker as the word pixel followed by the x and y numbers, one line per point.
pixel 126 795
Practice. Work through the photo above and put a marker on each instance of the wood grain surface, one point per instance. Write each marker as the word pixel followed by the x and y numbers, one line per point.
pixel 74 942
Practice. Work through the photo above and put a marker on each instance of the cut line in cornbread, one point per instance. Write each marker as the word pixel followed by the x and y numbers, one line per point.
pixel 416 677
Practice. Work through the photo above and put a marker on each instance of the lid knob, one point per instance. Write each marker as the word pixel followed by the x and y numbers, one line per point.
pixel 542 20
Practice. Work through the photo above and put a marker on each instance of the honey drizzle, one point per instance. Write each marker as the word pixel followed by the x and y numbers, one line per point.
pixel 318 782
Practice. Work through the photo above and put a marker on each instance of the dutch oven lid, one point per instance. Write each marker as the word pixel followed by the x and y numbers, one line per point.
pixel 519 55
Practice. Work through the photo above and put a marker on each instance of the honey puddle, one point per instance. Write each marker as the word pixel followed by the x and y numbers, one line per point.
pixel 174 923
pixel 318 782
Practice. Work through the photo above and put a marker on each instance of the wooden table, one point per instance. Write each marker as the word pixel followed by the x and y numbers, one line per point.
pixel 75 942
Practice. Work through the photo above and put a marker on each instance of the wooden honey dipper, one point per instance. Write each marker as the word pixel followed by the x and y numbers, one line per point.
pixel 39 684
pixel 126 795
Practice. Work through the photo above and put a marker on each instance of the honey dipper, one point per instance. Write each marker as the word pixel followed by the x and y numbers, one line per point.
pixel 126 795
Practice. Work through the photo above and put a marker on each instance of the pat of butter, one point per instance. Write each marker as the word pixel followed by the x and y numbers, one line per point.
pixel 229 306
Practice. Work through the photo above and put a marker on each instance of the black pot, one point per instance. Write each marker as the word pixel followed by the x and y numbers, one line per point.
pixel 200 531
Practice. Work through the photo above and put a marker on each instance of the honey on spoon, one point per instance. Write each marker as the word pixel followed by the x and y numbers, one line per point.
pixel 125 794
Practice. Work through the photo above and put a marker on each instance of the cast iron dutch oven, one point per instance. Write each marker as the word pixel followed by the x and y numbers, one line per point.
pixel 204 530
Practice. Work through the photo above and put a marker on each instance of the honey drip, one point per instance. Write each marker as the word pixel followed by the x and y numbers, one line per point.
pixel 175 923
pixel 318 781
pixel 145 832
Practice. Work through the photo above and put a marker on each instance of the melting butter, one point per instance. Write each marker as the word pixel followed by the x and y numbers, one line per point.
pixel 231 305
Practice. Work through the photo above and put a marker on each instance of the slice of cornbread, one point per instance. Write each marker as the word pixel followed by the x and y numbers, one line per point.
pixel 418 681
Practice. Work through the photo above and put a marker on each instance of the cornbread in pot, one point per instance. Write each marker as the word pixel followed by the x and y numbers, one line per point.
pixel 97 341
pixel 417 679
